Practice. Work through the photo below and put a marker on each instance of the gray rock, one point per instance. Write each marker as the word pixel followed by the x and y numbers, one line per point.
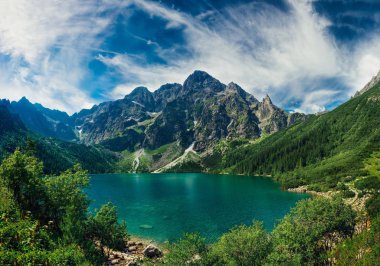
pixel 132 248
pixel 152 251
pixel 146 226
pixel 131 243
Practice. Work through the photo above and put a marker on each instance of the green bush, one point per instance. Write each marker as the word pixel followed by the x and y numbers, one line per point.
pixel 298 236
pixel 105 228
pixel 314 187
pixel 362 249
pixel 45 220
pixel 242 245
pixel 348 194
pixel 368 183
pixel 189 250
pixel 373 205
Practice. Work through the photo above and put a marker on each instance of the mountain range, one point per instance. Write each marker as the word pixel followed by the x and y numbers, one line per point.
pixel 161 126
pixel 202 125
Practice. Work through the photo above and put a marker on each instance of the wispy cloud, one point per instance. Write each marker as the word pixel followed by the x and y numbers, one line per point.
pixel 266 50
pixel 288 54
pixel 48 43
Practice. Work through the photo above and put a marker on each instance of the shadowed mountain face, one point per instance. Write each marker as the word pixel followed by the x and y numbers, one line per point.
pixel 202 110
pixel 46 122
pixel 57 155
pixel 322 151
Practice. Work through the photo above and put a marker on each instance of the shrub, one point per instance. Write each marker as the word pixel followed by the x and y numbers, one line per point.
pixel 301 232
pixel 368 183
pixel 242 245
pixel 186 251
pixel 348 194
pixel 373 205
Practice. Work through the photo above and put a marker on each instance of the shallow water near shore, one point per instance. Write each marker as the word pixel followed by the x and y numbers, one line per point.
pixel 164 206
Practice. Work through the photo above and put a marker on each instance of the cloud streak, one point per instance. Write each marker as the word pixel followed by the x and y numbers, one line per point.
pixel 48 44
pixel 288 54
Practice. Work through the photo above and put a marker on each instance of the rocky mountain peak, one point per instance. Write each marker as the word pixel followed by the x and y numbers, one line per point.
pixel 5 102
pixel 201 80
pixel 234 87
pixel 375 79
pixel 166 93
pixel 139 90
pixel 24 100
pixel 267 100
pixel 167 86
pixel 142 96
pixel 198 76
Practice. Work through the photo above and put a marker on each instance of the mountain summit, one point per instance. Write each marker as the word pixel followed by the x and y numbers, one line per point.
pixel 202 110
pixel 375 79
pixel 198 114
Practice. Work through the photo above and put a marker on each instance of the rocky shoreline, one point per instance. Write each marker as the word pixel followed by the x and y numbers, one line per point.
pixel 357 203
pixel 137 250
pixel 303 189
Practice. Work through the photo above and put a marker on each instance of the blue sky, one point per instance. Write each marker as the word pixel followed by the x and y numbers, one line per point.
pixel 307 55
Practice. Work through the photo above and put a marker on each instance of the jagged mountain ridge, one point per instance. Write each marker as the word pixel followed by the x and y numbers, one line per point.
pixel 160 126
pixel 321 152
pixel 41 120
pixel 375 79
pixel 202 110
pixel 56 155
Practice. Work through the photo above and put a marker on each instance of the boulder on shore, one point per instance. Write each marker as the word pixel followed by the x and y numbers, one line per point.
pixel 115 261
pixel 132 248
pixel 131 243
pixel 152 251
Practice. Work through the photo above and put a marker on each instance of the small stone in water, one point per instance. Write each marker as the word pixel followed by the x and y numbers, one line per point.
pixel 146 226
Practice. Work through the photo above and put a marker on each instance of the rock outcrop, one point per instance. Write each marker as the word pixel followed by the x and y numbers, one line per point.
pixel 152 251
pixel 375 79
pixel 201 111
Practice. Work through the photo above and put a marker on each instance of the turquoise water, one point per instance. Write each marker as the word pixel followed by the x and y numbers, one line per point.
pixel 164 206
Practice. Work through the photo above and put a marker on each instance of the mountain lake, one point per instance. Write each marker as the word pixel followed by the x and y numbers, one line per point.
pixel 163 207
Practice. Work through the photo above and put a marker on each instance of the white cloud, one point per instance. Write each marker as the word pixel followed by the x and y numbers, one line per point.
pixel 48 42
pixel 364 63
pixel 262 48
pixel 258 46
pixel 152 77
pixel 322 97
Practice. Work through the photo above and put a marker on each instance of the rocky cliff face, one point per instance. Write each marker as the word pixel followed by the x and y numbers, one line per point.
pixel 9 122
pixel 202 110
pixel 113 119
pixel 44 121
pixel 375 79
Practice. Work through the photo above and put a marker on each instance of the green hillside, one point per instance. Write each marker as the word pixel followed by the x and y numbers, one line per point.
pixel 57 155
pixel 322 150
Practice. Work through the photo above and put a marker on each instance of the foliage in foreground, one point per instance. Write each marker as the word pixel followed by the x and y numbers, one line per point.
pixel 304 237
pixel 45 220
pixel 362 249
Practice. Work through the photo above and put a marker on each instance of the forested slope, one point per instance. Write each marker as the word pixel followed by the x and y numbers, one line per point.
pixel 57 155
pixel 322 150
